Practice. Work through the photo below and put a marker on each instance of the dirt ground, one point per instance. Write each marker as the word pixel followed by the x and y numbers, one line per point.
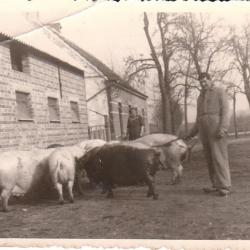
pixel 182 212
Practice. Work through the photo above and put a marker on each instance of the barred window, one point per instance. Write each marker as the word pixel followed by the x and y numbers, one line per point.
pixel 24 109
pixel 54 114
pixel 16 57
pixel 75 111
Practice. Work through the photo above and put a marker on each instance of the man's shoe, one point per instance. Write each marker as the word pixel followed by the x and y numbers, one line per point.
pixel 210 190
pixel 223 192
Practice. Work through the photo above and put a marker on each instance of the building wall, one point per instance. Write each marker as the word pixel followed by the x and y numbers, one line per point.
pixel 97 106
pixel 94 82
pixel 126 99
pixel 41 79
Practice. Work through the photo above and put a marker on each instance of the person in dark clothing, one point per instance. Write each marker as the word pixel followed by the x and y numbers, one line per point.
pixel 135 127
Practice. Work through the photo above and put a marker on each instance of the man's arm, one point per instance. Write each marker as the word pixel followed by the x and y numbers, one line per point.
pixel 224 113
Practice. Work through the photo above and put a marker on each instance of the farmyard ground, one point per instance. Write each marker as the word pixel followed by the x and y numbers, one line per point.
pixel 182 212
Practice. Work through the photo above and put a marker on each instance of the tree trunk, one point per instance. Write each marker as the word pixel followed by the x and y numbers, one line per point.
pixel 186 96
pixel 185 110
pixel 246 84
pixel 247 92
pixel 164 86
pixel 234 116
pixel 166 114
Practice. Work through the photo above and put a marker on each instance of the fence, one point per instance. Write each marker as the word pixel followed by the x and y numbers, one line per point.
pixel 97 132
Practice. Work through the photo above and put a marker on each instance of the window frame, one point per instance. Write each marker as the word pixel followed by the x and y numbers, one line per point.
pixel 28 108
pixel 16 58
pixel 72 110
pixel 56 110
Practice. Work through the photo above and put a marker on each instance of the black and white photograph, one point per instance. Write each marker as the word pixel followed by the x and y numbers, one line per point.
pixel 124 120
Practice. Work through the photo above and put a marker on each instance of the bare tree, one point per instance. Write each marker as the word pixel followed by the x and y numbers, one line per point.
pixel 162 61
pixel 233 90
pixel 188 45
pixel 240 44
pixel 206 43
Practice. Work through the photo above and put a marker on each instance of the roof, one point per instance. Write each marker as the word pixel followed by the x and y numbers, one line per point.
pixel 109 73
pixel 57 55
pixel 42 39
pixel 27 29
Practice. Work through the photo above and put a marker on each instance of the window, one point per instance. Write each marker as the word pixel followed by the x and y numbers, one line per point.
pixel 24 109
pixel 120 117
pixel 54 114
pixel 75 112
pixel 16 57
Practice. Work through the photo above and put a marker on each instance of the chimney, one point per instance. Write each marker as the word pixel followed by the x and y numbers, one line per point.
pixel 55 26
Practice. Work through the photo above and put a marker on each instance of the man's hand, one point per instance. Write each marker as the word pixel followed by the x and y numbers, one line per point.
pixel 221 133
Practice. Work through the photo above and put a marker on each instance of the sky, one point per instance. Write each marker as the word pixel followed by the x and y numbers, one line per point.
pixel 109 30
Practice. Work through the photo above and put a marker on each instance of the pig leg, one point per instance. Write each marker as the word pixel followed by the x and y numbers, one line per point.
pixel 175 178
pixel 70 189
pixel 149 193
pixel 151 188
pixel 5 195
pixel 78 181
pixel 163 164
pixel 59 189
pixel 177 173
pixel 105 188
pixel 110 193
pixel 79 186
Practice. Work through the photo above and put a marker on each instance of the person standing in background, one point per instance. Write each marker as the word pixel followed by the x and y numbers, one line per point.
pixel 135 126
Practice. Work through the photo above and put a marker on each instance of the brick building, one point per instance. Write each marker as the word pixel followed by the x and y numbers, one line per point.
pixel 53 91
pixel 107 95
pixel 42 97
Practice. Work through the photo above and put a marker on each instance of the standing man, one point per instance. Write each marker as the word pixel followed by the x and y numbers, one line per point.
pixel 135 127
pixel 212 123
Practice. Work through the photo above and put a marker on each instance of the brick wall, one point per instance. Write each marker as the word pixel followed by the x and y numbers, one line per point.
pixel 94 81
pixel 41 80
